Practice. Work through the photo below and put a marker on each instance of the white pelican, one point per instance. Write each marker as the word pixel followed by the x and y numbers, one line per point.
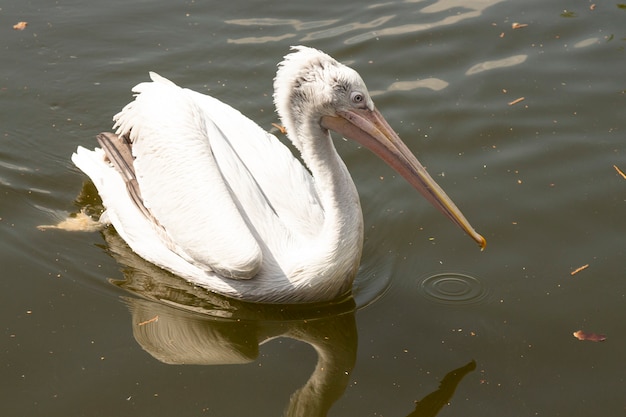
pixel 198 189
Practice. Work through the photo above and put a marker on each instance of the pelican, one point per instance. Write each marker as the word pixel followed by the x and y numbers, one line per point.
pixel 200 190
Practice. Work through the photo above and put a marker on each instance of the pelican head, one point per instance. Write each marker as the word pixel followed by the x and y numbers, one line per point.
pixel 314 93
pixel 310 83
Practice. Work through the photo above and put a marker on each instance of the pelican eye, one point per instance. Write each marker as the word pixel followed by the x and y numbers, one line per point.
pixel 357 98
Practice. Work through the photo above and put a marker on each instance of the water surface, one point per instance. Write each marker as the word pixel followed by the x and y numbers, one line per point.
pixel 536 178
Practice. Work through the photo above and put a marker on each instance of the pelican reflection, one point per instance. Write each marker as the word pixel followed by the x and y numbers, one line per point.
pixel 180 324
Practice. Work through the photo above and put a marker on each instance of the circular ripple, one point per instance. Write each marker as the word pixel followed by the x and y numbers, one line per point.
pixel 453 288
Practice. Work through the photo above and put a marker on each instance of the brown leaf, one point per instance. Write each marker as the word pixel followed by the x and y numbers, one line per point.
pixel 20 25
pixel 577 270
pixel 592 337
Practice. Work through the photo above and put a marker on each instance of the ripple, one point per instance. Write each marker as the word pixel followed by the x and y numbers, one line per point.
pixel 453 288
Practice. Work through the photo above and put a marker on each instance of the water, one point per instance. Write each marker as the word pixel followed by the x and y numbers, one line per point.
pixel 91 330
pixel 453 288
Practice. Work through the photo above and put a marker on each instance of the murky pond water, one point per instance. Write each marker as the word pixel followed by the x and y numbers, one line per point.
pixel 91 329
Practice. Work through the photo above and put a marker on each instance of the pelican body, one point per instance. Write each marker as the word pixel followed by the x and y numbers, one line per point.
pixel 200 190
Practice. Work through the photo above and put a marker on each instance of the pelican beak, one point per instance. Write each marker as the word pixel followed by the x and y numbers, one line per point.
pixel 370 129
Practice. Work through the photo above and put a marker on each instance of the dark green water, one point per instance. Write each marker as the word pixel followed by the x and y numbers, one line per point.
pixel 536 178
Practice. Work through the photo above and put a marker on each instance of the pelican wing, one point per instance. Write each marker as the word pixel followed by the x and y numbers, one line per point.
pixel 284 183
pixel 222 189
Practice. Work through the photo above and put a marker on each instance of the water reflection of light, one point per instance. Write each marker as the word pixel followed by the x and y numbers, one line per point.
pixel 498 63
pixel 441 5
pixel 296 24
pixel 468 9
pixel 261 39
pixel 586 42
pixel 348 27
pixel 434 84
pixel 459 10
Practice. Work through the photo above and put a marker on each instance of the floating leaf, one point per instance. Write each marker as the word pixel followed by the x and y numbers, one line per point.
pixel 577 270
pixel 592 337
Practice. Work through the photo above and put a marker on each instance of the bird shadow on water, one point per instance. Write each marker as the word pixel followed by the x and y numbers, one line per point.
pixel 180 324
